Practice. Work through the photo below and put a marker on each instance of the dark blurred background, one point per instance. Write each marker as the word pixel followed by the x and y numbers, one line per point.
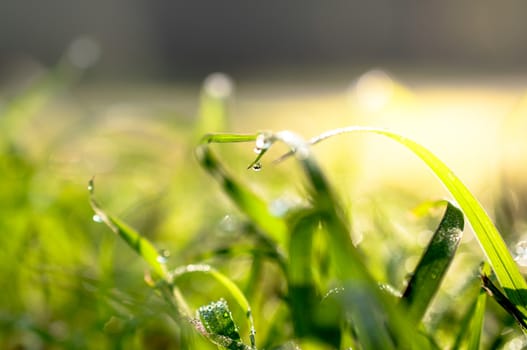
pixel 192 38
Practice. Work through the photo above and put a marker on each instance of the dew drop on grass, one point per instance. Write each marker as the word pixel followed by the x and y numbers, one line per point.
pixel 97 218
pixel 263 142
pixel 228 224
pixel 163 256
pixel 257 166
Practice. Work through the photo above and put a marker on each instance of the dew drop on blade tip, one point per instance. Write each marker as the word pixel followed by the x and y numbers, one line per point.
pixel 257 166
pixel 97 218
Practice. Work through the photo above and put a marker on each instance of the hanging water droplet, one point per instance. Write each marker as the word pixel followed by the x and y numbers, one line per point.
pixel 163 256
pixel 90 186
pixel 257 166
pixel 257 150
pixel 97 218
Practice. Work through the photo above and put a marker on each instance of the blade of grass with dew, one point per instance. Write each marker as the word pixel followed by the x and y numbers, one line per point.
pixel 247 201
pixel 434 263
pixel 228 284
pixel 489 238
pixel 139 244
pixel 143 247
pixel 217 324
pixel 378 322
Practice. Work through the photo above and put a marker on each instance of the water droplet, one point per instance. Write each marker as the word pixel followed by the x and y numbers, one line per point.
pixel 97 218
pixel 163 256
pixel 257 150
pixel 90 186
pixel 257 166
pixel 228 224
pixel 521 253
pixel 263 141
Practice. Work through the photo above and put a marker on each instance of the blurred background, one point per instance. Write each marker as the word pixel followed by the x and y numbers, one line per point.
pixel 180 39
pixel 120 90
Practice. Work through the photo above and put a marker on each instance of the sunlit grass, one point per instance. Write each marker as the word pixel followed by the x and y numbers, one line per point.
pixel 73 284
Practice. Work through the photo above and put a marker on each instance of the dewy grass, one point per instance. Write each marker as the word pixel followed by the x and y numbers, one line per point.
pixel 488 236
pixel 353 311
pixel 426 279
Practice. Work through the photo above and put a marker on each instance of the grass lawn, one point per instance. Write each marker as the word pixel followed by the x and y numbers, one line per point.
pixel 362 238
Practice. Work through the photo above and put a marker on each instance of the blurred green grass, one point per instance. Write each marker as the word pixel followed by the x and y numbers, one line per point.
pixel 69 284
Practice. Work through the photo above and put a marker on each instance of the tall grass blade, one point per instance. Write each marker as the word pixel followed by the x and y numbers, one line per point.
pixel 434 263
pixel 490 240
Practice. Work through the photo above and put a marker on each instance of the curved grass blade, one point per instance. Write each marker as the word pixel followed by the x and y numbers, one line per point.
pixel 490 240
pixel 434 263
pixel 139 244
pixel 229 285
pixel 379 324
pixel 247 201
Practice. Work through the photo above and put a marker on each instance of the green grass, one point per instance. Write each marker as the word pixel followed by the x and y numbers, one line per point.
pixel 199 265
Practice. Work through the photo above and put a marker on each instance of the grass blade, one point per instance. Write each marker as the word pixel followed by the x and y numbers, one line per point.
pixel 434 263
pixel 139 244
pixel 490 240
